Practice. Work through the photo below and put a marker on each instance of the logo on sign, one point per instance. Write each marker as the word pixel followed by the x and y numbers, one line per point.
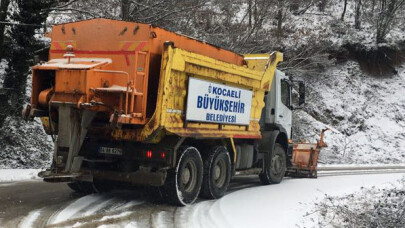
pixel 212 102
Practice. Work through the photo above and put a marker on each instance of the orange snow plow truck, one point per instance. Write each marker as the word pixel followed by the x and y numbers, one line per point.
pixel 135 104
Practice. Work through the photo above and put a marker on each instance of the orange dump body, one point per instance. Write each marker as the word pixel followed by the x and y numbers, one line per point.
pixel 119 62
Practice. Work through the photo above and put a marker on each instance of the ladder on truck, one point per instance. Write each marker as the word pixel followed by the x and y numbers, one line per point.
pixel 132 98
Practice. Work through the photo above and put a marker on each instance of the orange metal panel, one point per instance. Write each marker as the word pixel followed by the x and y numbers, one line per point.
pixel 193 45
pixel 70 81
pixel 120 39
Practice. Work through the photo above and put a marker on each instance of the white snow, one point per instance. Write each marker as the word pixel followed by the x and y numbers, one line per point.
pixel 97 206
pixel 131 225
pixel 112 206
pixel 109 217
pixel 75 208
pixel 28 222
pixel 9 175
pixel 3 64
pixel 77 224
pixel 282 205
pixel 161 219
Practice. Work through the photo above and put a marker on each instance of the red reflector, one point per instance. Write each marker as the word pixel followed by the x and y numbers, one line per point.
pixel 149 154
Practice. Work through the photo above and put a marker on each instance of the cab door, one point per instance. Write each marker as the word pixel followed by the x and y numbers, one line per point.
pixel 283 112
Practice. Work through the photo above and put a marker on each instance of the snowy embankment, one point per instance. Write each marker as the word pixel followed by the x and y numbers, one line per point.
pixel 10 175
pixel 23 144
pixel 3 64
pixel 371 207
pixel 366 115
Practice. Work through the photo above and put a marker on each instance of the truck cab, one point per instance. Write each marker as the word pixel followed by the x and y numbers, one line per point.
pixel 277 113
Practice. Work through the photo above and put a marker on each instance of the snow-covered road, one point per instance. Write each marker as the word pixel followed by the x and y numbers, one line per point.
pixel 248 204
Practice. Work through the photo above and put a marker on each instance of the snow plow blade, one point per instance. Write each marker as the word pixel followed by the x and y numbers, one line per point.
pixel 305 158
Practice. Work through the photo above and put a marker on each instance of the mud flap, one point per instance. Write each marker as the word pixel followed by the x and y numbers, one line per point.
pixel 72 130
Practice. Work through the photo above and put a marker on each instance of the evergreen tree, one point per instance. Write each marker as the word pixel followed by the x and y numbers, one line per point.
pixel 29 16
pixel 3 15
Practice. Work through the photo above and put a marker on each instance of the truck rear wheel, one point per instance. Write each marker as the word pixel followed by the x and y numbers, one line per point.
pixel 100 186
pixel 82 187
pixel 217 173
pixel 183 183
pixel 274 166
pixel 74 186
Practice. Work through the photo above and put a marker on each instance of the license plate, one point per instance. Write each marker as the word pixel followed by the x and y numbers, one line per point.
pixel 110 150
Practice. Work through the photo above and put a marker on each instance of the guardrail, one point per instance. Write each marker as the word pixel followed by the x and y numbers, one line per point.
pixel 337 170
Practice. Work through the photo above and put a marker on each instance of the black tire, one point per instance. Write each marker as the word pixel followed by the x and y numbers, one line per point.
pixel 274 166
pixel 82 187
pixel 217 173
pixel 100 185
pixel 74 186
pixel 88 187
pixel 155 194
pixel 183 184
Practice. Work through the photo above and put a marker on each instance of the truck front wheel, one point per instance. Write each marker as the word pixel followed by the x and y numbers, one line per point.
pixel 183 183
pixel 217 173
pixel 274 166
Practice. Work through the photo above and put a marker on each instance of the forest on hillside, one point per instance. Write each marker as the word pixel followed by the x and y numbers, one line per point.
pixel 244 26
pixel 314 35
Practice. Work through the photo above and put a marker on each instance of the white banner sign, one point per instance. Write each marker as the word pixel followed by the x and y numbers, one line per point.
pixel 217 103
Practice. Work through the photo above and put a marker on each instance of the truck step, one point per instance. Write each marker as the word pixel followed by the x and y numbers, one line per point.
pixel 137 115
pixel 113 89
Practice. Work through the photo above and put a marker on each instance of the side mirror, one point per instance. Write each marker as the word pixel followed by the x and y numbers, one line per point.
pixel 301 92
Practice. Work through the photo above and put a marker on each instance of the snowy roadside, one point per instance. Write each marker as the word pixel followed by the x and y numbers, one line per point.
pixel 365 115
pixel 11 175
pixel 289 204
pixel 293 203
pixel 371 207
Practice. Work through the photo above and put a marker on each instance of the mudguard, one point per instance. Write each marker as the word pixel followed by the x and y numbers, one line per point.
pixel 266 144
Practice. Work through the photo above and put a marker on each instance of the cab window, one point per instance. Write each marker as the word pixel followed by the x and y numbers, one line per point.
pixel 285 93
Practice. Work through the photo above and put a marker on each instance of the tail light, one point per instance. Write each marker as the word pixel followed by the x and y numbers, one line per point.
pixel 155 155
pixel 163 154
pixel 149 154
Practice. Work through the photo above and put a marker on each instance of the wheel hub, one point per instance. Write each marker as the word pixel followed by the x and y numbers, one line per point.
pixel 186 176
pixel 276 164
pixel 189 176
pixel 217 172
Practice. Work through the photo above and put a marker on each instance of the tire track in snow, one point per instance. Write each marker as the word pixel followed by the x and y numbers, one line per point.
pixel 30 219
pixel 94 209
pixel 120 209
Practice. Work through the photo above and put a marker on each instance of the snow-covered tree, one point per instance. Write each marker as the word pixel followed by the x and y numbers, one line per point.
pixel 28 17
pixel 3 15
